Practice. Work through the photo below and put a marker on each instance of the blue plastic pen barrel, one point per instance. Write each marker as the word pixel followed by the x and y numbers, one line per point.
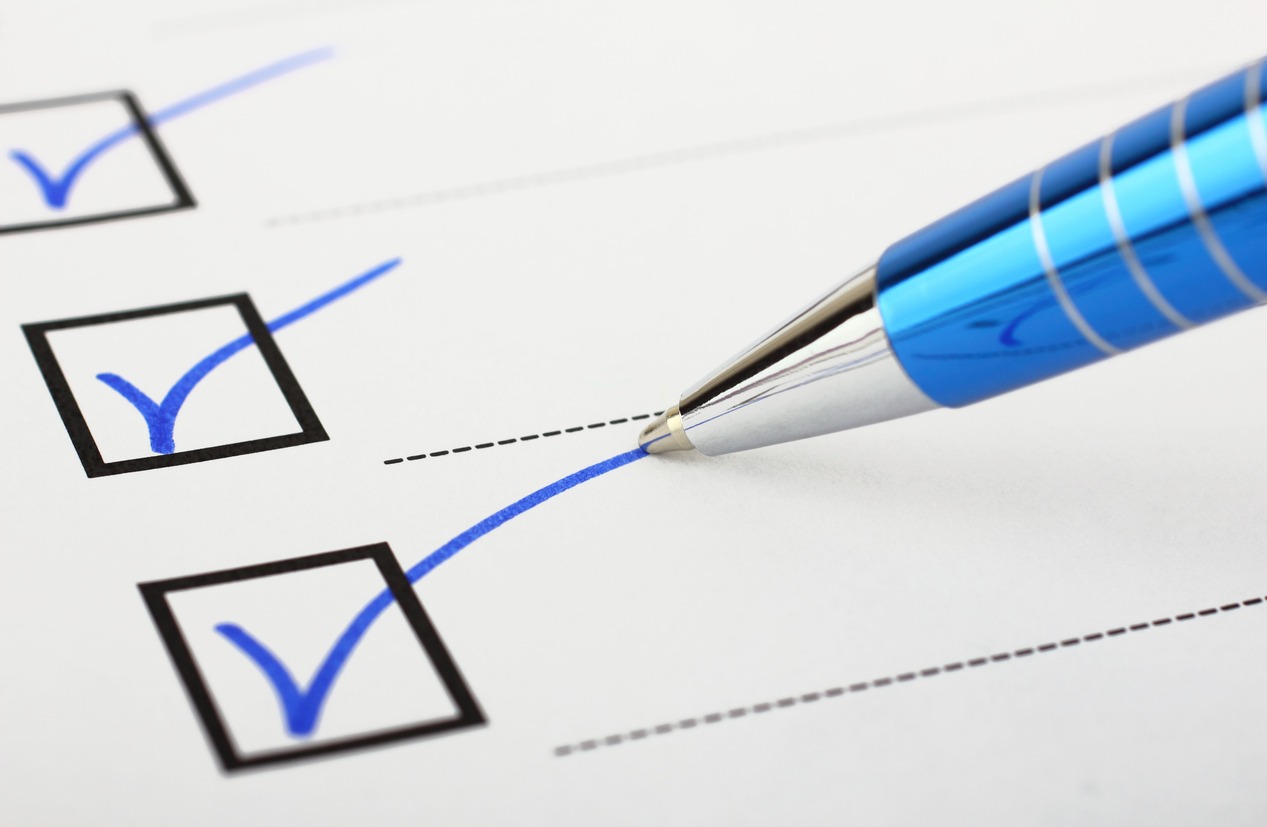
pixel 1155 228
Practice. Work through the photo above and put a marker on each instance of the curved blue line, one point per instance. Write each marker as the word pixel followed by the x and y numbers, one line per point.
pixel 1008 337
pixel 302 708
pixel 56 189
pixel 160 423
pixel 160 417
pixel 278 674
pixel 148 407
pixel 239 84
pixel 287 319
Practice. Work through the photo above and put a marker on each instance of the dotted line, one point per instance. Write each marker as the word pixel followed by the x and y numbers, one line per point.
pixel 879 683
pixel 716 150
pixel 528 438
pixel 570 175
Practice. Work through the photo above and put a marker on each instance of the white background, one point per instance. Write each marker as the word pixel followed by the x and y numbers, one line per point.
pixel 672 588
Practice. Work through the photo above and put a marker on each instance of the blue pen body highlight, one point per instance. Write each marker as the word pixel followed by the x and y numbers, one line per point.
pixel 1160 226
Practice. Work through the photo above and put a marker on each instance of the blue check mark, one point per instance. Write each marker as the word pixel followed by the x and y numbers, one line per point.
pixel 55 188
pixel 301 707
pixel 160 417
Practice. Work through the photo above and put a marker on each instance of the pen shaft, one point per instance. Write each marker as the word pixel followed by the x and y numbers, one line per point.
pixel 1155 228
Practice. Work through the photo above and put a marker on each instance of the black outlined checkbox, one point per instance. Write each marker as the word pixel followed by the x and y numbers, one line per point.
pixel 238 394
pixel 83 159
pixel 395 680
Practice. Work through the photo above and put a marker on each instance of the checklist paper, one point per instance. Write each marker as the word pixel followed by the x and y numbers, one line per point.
pixel 331 328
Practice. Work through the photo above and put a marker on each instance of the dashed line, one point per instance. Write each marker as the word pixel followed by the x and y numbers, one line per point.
pixel 717 150
pixel 879 683
pixel 576 429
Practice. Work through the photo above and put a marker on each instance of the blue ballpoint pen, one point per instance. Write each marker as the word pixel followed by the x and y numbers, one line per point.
pixel 1155 228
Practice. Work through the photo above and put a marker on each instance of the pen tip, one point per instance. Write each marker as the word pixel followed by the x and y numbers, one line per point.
pixel 665 434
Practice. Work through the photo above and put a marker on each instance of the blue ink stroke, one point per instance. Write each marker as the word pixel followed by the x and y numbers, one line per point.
pixel 160 417
pixel 302 707
pixel 56 189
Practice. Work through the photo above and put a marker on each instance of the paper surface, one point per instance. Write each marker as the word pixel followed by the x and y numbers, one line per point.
pixel 359 276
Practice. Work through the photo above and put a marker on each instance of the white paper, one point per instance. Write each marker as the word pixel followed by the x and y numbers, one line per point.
pixel 563 214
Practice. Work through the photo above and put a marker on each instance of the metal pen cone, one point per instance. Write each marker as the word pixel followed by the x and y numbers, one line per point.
pixel 665 434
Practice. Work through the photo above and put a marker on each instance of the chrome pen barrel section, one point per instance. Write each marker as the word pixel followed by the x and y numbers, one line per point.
pixel 1155 228
pixel 829 368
